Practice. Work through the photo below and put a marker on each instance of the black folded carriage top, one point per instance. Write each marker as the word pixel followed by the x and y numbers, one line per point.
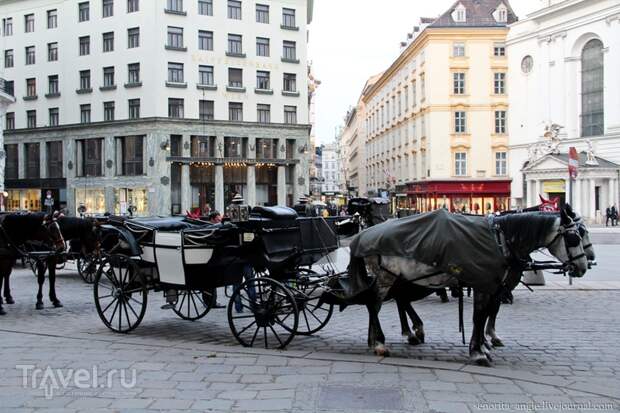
pixel 275 212
pixel 176 223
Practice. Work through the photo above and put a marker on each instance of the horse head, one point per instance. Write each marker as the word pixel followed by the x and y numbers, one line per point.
pixel 565 243
pixel 49 232
pixel 584 233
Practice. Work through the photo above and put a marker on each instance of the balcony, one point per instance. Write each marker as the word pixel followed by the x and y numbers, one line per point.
pixel 6 92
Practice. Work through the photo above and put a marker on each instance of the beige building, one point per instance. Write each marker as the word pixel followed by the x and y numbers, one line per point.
pixel 354 140
pixel 436 120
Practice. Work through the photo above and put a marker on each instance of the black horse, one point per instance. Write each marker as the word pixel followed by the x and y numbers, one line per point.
pixel 17 230
pixel 381 253
pixel 79 232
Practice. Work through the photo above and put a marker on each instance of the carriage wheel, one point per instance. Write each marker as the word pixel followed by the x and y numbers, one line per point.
pixel 269 314
pixel 307 291
pixel 120 294
pixel 192 305
pixel 87 268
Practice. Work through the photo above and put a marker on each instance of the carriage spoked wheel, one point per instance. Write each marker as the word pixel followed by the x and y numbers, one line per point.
pixel 87 268
pixel 307 290
pixel 120 293
pixel 268 316
pixel 192 305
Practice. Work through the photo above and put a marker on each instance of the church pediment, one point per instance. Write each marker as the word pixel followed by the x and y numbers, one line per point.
pixel 547 162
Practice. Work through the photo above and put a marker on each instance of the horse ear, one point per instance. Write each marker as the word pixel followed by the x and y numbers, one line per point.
pixel 569 211
pixel 565 219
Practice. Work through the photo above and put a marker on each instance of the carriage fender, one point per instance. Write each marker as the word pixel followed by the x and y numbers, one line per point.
pixel 125 235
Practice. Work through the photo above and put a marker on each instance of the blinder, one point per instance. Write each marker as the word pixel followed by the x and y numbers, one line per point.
pixel 572 239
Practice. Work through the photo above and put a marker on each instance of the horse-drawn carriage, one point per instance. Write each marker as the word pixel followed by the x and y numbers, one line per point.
pixel 267 258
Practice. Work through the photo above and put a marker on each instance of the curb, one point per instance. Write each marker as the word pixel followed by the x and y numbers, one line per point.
pixel 525 376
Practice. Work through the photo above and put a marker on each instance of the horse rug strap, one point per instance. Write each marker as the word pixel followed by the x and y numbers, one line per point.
pixel 464 246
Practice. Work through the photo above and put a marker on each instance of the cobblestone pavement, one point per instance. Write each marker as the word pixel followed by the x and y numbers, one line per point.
pixel 562 346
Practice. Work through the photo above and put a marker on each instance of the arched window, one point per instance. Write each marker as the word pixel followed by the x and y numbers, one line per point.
pixel 592 104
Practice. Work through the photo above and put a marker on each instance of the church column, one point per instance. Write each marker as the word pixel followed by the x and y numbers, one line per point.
pixel 186 188
pixel 577 196
pixel 610 194
pixel 592 198
pixel 538 192
pixel 281 185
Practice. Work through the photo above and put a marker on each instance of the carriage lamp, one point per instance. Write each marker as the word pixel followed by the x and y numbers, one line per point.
pixel 237 211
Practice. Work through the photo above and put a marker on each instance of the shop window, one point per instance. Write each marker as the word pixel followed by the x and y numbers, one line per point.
pixel 131 201
pixel 203 146
pixel 90 154
pixel 12 162
pixel 92 199
pixel 33 160
pixel 130 155
pixel 54 159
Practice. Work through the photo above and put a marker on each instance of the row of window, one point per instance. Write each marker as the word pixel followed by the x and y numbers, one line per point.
pixel 176 109
pixel 458 49
pixel 176 75
pixel 393 107
pixel 205 7
pixel 175 41
pixel 461 167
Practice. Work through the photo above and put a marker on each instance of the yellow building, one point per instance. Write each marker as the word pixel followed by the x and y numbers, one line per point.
pixel 436 120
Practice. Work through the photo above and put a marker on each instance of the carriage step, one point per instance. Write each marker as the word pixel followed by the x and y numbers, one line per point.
pixel 167 306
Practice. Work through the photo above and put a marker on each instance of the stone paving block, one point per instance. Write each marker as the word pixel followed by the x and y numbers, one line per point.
pixel 227 386
pixel 503 388
pixel 256 378
pixel 131 403
pixel 158 393
pixel 89 403
pixel 276 394
pixel 539 389
pixel 449 396
pixel 272 386
pixel 148 366
pixel 300 379
pixel 454 376
pixel 447 407
pixel 437 385
pixel 237 395
pixel 264 405
pixel 211 405
pixel 223 378
pixel 346 367
pixel 171 404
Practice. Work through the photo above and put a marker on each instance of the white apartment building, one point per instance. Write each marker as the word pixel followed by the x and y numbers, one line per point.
pixel 162 105
pixel 564 61
pixel 330 171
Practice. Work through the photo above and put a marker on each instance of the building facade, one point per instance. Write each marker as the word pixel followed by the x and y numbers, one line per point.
pixel 156 107
pixel 436 119
pixel 564 61
pixel 6 98
pixel 330 170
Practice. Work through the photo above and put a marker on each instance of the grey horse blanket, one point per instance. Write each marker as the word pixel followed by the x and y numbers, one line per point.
pixel 460 245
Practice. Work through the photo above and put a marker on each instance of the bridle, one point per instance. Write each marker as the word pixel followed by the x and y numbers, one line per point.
pixel 572 238
pixel 60 241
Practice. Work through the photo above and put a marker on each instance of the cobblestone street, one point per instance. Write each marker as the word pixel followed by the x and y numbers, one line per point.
pixel 561 347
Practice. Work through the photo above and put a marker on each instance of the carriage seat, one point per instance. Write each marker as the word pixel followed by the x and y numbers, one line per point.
pixel 166 223
pixel 278 213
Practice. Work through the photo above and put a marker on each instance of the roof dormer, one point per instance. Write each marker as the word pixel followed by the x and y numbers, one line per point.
pixel 501 13
pixel 459 14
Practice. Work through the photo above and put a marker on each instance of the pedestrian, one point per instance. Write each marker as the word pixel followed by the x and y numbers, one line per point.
pixel 608 217
pixel 614 216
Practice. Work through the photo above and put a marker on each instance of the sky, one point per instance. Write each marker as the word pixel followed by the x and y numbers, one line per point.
pixel 351 40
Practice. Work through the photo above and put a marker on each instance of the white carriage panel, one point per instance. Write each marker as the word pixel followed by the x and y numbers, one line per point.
pixel 198 255
pixel 148 253
pixel 169 259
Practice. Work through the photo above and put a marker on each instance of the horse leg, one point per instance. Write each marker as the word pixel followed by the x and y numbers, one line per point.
pixel 40 280
pixel 7 289
pixel 418 326
pixel 51 265
pixel 494 305
pixel 443 295
pixel 405 331
pixel 2 312
pixel 477 353
pixel 376 339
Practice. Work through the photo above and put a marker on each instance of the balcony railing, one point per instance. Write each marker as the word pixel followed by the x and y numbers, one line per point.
pixel 4 88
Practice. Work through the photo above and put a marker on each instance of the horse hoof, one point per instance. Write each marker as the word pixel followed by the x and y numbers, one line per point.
pixel 413 340
pixel 9 300
pixel 481 360
pixel 382 351
pixel 487 345
pixel 497 342
pixel 2 312
pixel 57 304
pixel 445 299
pixel 39 306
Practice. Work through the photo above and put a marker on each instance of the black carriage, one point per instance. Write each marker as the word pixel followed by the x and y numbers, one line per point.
pixel 372 211
pixel 267 259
